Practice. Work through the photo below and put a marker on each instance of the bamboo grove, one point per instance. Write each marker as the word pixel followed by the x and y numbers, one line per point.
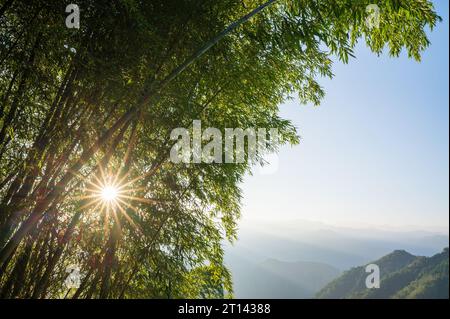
pixel 81 107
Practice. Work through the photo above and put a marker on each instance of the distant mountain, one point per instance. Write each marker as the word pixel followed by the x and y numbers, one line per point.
pixel 259 242
pixel 339 247
pixel 277 279
pixel 402 275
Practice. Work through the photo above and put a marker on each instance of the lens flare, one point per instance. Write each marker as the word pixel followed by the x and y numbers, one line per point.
pixel 113 195
pixel 109 193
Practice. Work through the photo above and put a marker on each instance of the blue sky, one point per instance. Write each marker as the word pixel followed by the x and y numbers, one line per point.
pixel 375 152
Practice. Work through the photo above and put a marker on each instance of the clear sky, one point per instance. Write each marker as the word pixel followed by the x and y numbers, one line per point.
pixel 375 152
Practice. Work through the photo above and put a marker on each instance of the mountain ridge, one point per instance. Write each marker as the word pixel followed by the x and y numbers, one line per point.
pixel 402 275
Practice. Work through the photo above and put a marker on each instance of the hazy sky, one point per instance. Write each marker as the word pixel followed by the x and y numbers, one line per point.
pixel 375 152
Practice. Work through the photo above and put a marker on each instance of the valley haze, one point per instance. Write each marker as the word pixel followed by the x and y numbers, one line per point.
pixel 296 258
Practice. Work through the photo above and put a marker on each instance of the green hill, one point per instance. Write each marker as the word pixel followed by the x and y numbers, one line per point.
pixel 402 275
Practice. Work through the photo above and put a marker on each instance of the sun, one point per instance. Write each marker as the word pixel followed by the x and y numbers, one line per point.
pixel 109 193
pixel 113 195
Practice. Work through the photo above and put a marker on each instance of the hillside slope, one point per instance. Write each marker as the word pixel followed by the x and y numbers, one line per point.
pixel 402 275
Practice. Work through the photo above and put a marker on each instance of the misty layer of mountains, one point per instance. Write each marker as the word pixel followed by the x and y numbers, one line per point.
pixel 302 259
pixel 276 279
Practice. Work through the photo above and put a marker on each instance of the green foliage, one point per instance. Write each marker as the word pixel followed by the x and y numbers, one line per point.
pixel 402 276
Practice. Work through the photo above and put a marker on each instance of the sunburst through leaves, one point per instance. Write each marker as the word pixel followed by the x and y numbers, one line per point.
pixel 110 194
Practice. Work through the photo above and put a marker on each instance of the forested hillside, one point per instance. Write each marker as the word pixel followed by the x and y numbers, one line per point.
pixel 402 276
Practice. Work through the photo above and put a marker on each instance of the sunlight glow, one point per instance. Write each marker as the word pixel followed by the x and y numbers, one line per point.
pixel 109 193
pixel 112 196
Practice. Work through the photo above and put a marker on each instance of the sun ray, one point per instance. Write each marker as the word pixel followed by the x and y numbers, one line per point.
pixel 125 214
pixel 99 202
pixel 106 219
pixel 116 220
pixel 149 173
pixel 96 201
pixel 114 198
pixel 141 199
